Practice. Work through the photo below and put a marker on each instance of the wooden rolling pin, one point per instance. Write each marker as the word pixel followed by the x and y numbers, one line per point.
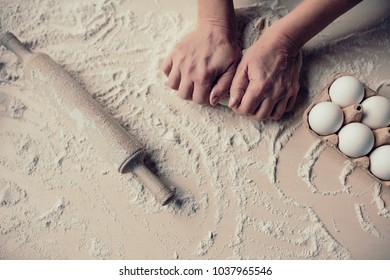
pixel 107 135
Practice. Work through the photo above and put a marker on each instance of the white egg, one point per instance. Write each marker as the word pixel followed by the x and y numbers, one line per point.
pixel 380 162
pixel 376 112
pixel 346 91
pixel 355 140
pixel 325 118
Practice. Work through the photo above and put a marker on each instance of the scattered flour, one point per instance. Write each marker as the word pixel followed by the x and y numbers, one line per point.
pixel 365 223
pixel 9 224
pixel 11 107
pixel 378 201
pixel 11 194
pixel 205 244
pixel 207 155
pixel 51 218
pixel 99 249
pixel 305 170
pixel 349 167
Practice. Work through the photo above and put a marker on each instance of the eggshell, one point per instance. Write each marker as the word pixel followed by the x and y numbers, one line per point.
pixel 355 140
pixel 376 112
pixel 380 162
pixel 325 118
pixel 346 91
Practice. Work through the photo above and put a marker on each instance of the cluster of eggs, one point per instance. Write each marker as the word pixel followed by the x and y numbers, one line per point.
pixel 355 139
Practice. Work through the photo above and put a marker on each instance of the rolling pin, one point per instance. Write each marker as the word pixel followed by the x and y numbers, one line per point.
pixel 107 136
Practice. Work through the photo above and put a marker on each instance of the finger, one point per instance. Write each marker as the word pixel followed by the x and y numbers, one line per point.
pixel 293 97
pixel 256 92
pixel 279 109
pixel 167 65
pixel 186 89
pixel 201 93
pixel 265 109
pixel 295 87
pixel 252 99
pixel 291 103
pixel 239 84
pixel 222 87
pixel 174 78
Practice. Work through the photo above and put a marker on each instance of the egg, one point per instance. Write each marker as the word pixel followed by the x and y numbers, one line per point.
pixel 384 90
pixel 380 162
pixel 346 91
pixel 355 140
pixel 325 118
pixel 376 111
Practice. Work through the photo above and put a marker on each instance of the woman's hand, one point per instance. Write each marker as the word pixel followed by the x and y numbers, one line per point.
pixel 202 63
pixel 266 82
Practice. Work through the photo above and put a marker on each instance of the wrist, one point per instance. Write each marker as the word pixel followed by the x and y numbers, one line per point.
pixel 278 38
pixel 217 16
pixel 223 28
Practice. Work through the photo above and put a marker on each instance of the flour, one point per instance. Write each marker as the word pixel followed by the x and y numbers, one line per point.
pixel 51 218
pixel 349 167
pixel 305 170
pixel 205 244
pixel 365 223
pixel 222 167
pixel 378 201
pixel 11 194
pixel 11 107
pixel 99 249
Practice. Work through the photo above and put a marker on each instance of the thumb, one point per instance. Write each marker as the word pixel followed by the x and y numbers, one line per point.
pixel 239 84
pixel 221 88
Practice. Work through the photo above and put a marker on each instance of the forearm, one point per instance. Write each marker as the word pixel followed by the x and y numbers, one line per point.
pixel 218 13
pixel 310 17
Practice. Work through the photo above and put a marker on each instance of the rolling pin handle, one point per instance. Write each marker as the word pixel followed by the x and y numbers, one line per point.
pixel 136 165
pixel 12 43
pixel 162 193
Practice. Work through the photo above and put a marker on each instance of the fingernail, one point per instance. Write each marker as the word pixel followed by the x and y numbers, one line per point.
pixel 232 101
pixel 213 98
pixel 224 101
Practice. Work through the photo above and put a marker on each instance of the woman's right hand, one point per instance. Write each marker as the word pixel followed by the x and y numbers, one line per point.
pixel 202 65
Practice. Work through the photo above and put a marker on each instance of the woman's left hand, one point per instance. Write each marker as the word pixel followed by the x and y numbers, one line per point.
pixel 266 81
